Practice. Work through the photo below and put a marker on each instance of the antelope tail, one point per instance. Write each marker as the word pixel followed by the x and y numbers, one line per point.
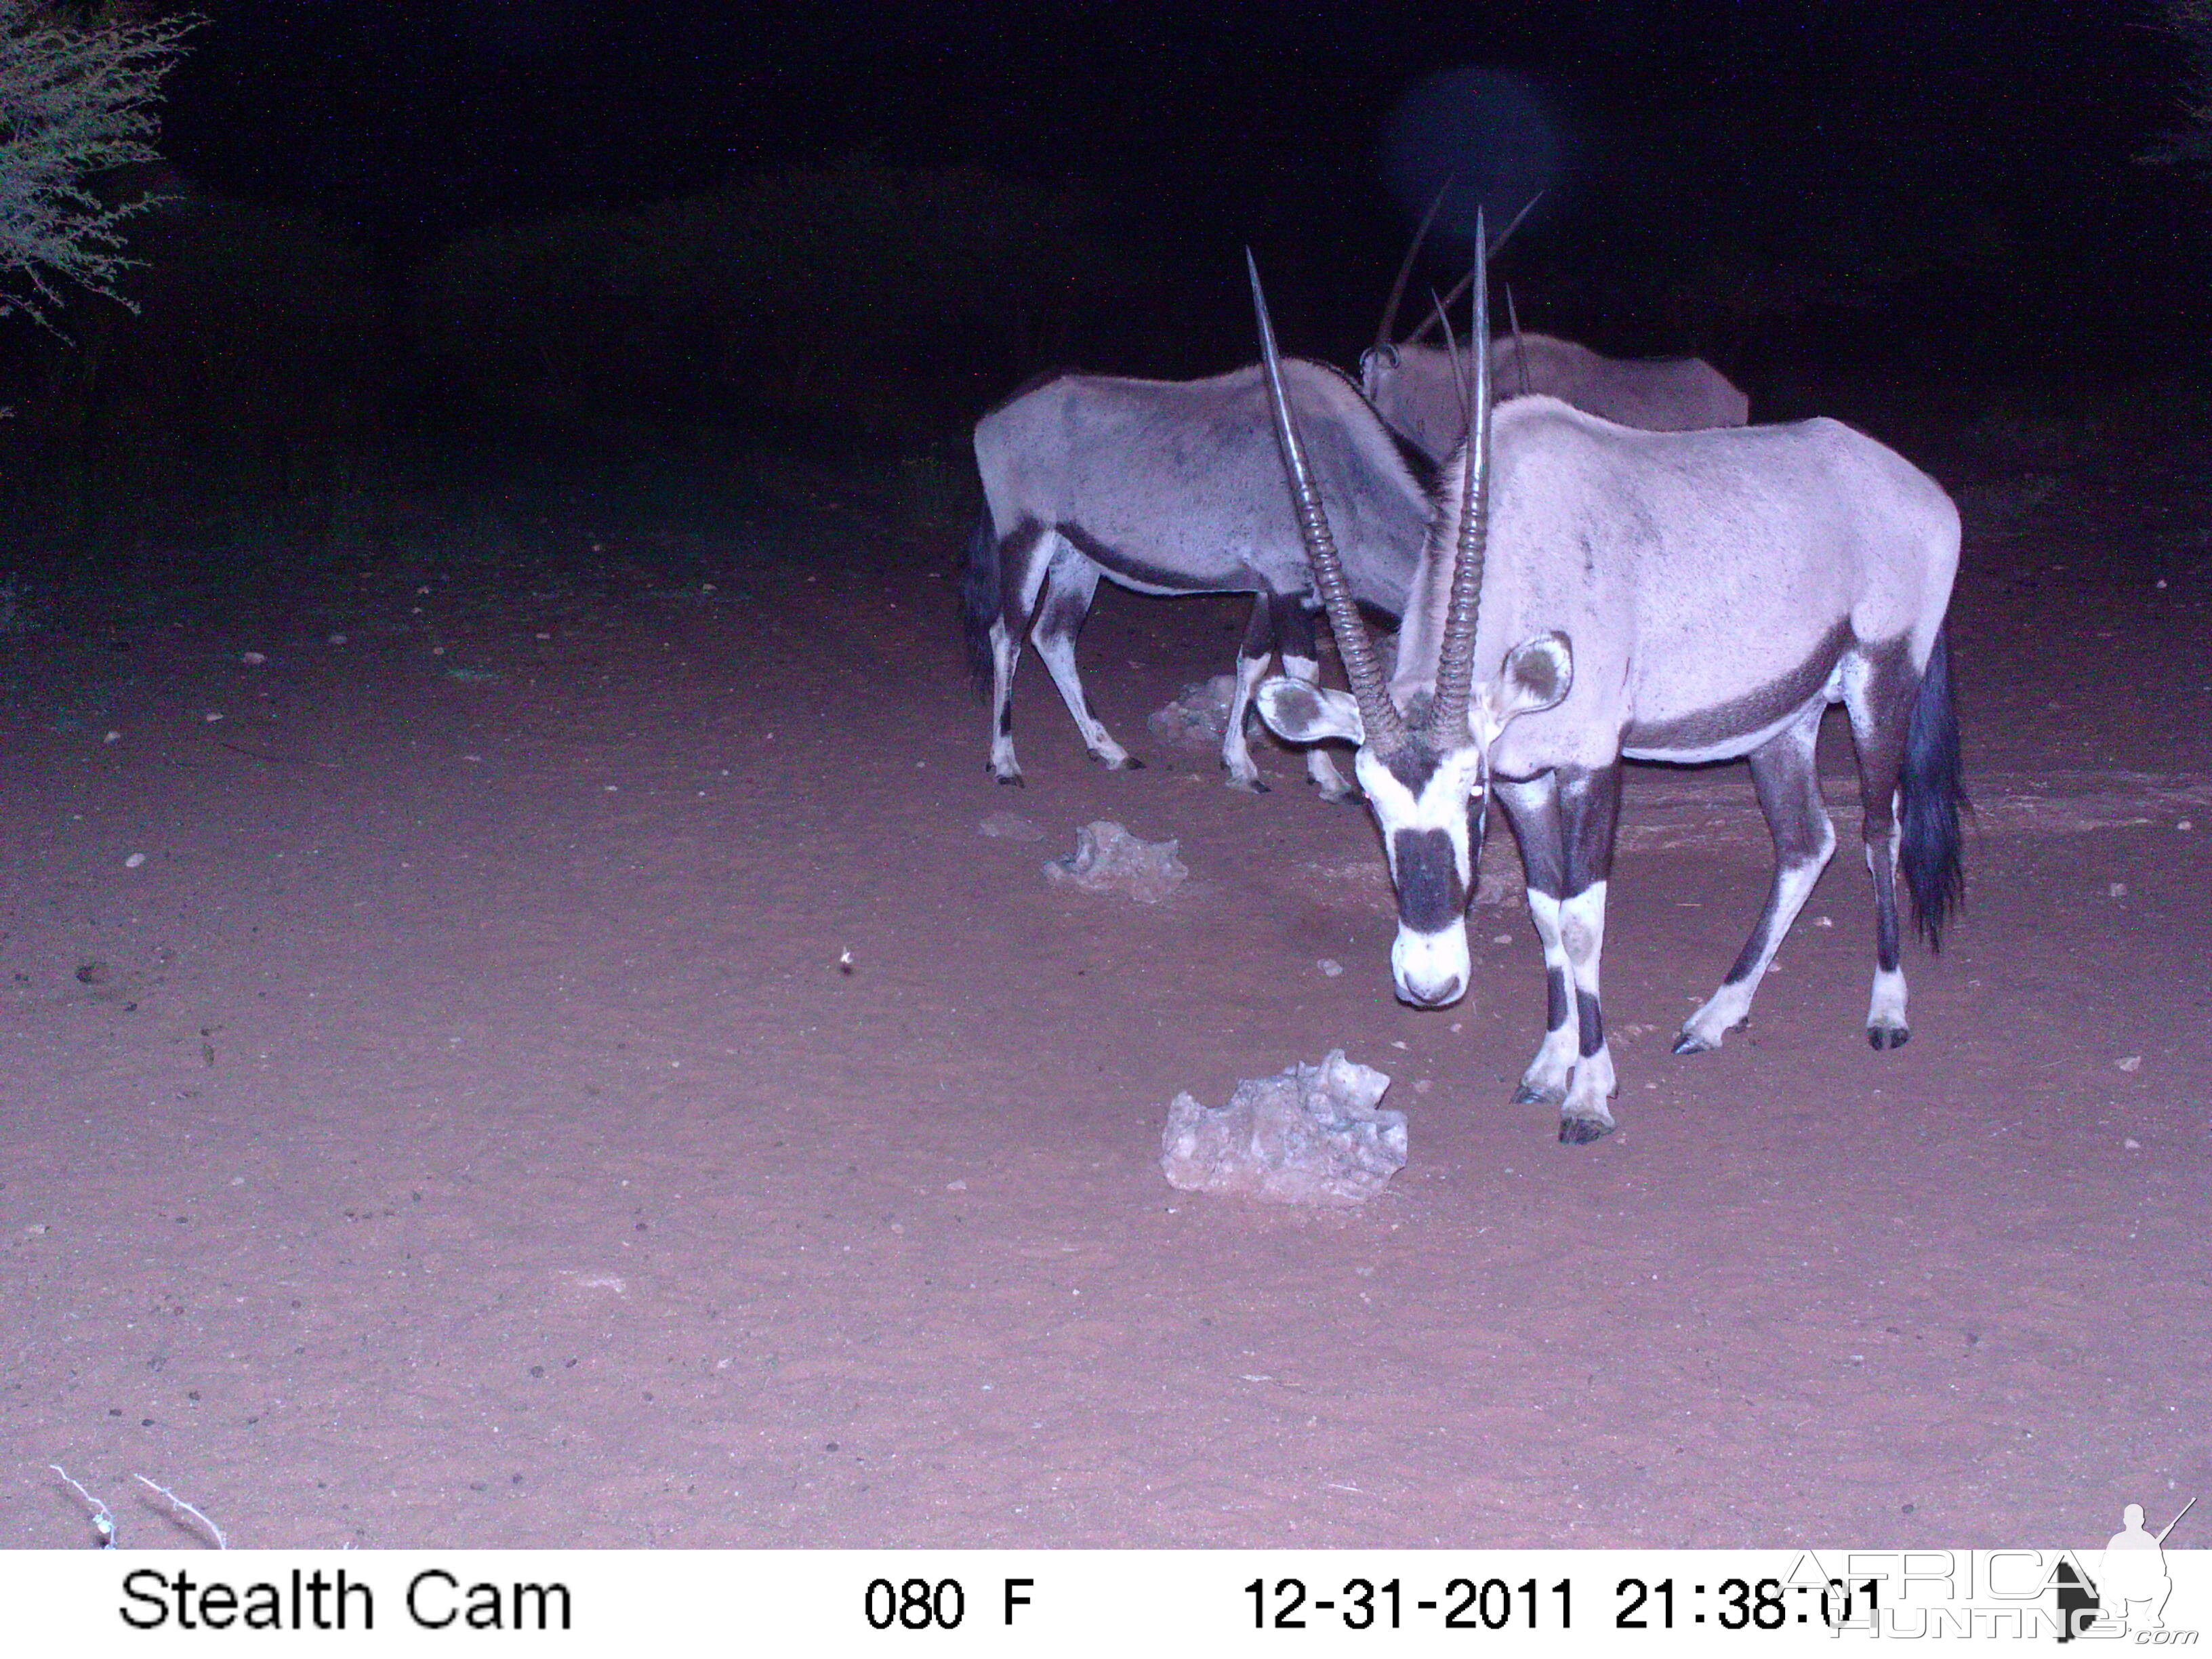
pixel 979 597
pixel 1931 791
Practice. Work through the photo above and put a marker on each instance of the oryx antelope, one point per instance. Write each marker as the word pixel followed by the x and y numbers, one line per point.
pixel 1176 486
pixel 1590 592
pixel 1416 388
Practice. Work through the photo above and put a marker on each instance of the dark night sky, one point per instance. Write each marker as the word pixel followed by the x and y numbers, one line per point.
pixel 409 120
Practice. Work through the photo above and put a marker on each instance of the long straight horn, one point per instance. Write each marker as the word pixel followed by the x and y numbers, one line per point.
pixel 1455 686
pixel 1519 346
pixel 1405 271
pixel 1386 728
pixel 1460 287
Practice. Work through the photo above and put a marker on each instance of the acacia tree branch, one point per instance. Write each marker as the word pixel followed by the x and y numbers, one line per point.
pixel 77 102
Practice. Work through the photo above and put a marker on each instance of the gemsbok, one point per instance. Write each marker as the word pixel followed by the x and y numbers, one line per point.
pixel 1176 486
pixel 1590 593
pixel 1417 388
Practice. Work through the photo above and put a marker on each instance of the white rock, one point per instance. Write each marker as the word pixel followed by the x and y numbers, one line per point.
pixel 1310 1134
pixel 1107 858
pixel 1200 714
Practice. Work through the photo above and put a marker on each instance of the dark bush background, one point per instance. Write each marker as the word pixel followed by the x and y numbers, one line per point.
pixel 483 235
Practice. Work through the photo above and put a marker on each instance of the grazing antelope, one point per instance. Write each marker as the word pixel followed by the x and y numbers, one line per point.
pixel 1176 486
pixel 1588 594
pixel 1416 388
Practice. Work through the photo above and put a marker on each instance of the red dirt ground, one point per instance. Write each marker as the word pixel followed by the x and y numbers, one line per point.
pixel 459 1131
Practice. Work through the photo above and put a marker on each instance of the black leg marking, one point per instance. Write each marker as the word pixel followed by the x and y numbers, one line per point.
pixel 1070 583
pixel 1260 627
pixel 1589 823
pixel 1019 581
pixel 1788 785
pixel 1881 696
pixel 1555 998
pixel 1592 1021
pixel 1590 819
pixel 1294 625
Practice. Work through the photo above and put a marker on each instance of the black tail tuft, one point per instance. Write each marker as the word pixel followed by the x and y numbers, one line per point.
pixel 1932 793
pixel 979 599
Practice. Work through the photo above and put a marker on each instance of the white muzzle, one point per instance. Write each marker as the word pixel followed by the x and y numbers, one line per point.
pixel 1430 969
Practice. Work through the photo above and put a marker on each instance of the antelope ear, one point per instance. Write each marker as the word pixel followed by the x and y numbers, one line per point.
pixel 1538 674
pixel 1308 713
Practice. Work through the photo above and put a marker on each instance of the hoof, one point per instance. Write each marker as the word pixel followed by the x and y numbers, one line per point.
pixel 1527 1094
pixel 1126 764
pixel 1881 1037
pixel 1689 1043
pixel 1344 797
pixel 1248 786
pixel 1581 1131
pixel 1016 782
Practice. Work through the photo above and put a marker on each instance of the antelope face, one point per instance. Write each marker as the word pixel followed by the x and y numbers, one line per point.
pixel 1429 801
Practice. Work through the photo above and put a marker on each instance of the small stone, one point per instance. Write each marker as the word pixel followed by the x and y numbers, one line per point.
pixel 1009 826
pixel 2117 889
pixel 1107 858
pixel 2184 824
pixel 1199 717
pixel 338 639
pixel 134 861
pixel 253 659
pixel 113 737
pixel 212 717
pixel 1331 966
pixel 2130 1143
pixel 1824 922
pixel 1503 939
pixel 2132 1063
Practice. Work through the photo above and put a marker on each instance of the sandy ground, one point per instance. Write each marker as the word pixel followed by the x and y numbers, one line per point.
pixel 459 1130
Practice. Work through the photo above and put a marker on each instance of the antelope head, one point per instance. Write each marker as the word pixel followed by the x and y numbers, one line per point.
pixel 1425 770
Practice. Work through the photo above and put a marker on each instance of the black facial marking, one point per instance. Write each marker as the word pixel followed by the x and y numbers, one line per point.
pixel 1478 824
pixel 1555 998
pixel 1430 896
pixel 1593 1023
pixel 1413 765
